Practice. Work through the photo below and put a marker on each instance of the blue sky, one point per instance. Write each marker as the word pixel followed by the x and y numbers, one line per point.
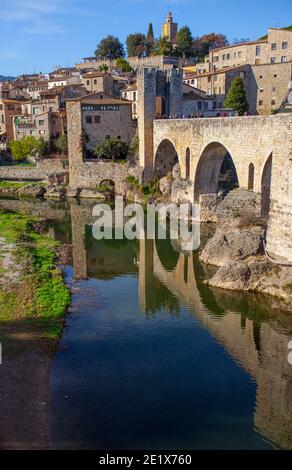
pixel 36 35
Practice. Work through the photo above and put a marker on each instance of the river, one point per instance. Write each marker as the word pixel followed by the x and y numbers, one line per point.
pixel 151 358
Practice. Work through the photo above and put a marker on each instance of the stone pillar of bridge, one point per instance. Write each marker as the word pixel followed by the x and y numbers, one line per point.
pixel 146 87
pixel 175 91
pixel 279 234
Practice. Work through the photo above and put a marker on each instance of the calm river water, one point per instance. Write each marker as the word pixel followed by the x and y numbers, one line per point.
pixel 150 358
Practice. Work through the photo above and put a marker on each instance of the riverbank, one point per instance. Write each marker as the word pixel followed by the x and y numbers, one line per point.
pixel 33 302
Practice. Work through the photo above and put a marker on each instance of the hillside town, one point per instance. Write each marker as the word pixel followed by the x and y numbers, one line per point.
pixel 35 105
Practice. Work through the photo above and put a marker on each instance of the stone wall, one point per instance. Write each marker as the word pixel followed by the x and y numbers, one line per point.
pixel 43 170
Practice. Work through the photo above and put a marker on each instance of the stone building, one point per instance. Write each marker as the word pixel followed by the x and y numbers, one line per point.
pixel 8 109
pixel 130 93
pixel 95 82
pixel 264 65
pixel 47 125
pixel 103 116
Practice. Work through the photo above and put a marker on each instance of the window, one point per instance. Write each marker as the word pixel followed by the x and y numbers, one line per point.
pixel 275 75
pixel 95 81
pixel 261 76
pixel 273 60
pixel 274 89
pixel 224 57
pixel 205 105
pixel 284 58
pixel 285 45
pixel 234 55
pixel 88 119
pixel 273 102
pixel 209 78
pixel 228 56
pixel 119 137
pixel 41 122
pixel 88 82
pixel 260 102
pixel 258 50
pixel 96 119
pixel 199 105
pixel 215 58
pixel 239 54
pixel 273 46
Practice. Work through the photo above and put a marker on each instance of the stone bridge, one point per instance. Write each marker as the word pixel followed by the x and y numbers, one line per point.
pixel 261 150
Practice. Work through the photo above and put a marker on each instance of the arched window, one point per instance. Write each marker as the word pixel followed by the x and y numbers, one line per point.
pixel 188 154
pixel 251 176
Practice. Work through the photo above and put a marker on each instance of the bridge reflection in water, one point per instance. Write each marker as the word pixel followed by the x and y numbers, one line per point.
pixel 249 327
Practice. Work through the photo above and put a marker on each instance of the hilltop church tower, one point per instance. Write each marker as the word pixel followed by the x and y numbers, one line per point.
pixel 169 29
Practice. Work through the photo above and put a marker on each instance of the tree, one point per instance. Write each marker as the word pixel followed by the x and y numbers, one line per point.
pixel 236 96
pixel 136 44
pixel 61 144
pixel 28 146
pixel 110 47
pixel 124 65
pixel 163 47
pixel 103 68
pixel 150 34
pixel 202 45
pixel 112 149
pixel 184 41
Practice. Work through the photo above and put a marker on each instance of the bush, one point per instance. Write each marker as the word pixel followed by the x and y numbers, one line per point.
pixel 61 144
pixel 112 149
pixel 236 96
pixel 28 146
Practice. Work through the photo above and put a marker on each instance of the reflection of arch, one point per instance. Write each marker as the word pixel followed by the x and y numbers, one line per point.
pixel 165 159
pixel 251 176
pixel 188 156
pixel 209 167
pixel 266 187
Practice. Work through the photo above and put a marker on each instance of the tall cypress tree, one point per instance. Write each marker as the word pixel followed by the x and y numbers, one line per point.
pixel 236 96
pixel 150 34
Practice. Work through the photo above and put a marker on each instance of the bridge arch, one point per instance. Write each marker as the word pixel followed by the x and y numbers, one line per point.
pixel 165 158
pixel 209 167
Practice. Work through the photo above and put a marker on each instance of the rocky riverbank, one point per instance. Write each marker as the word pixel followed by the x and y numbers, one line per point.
pixel 237 249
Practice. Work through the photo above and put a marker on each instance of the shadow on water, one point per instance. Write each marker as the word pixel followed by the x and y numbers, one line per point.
pixel 152 358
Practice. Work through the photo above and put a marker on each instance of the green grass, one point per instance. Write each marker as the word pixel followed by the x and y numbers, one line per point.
pixel 13 184
pixel 42 297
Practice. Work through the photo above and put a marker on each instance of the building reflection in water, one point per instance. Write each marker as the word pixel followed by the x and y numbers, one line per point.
pixel 255 336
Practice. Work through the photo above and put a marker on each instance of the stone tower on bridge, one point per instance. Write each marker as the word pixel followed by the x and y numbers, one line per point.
pixel 160 94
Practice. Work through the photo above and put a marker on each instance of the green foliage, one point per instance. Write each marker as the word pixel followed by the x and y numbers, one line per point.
pixel 123 65
pixel 133 149
pixel 113 149
pixel 236 96
pixel 163 47
pixel 28 146
pixel 184 42
pixel 61 144
pixel 136 44
pixel 110 47
pixel 103 68
pixel 42 298
pixel 150 39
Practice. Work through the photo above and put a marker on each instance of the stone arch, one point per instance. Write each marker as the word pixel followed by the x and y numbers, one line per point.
pixel 187 163
pixel 107 183
pixel 250 183
pixel 209 167
pixel 165 158
pixel 266 186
